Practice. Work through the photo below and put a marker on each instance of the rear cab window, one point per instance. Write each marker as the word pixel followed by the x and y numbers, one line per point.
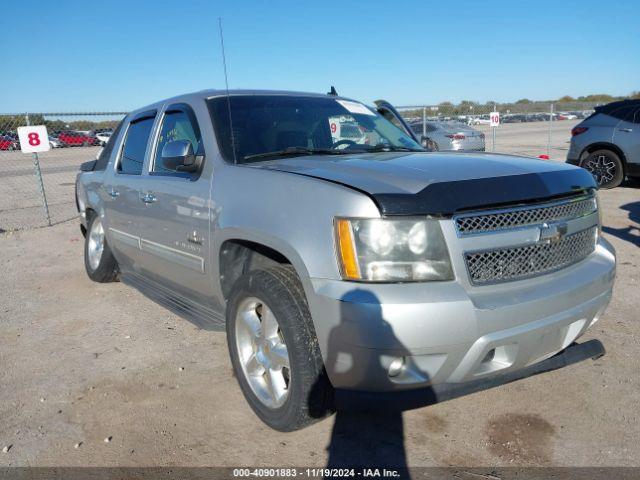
pixel 135 144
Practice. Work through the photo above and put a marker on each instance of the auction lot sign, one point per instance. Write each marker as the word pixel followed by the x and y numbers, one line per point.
pixel 494 118
pixel 34 139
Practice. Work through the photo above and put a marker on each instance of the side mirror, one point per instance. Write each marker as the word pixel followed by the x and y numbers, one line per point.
pixel 428 144
pixel 178 155
pixel 88 166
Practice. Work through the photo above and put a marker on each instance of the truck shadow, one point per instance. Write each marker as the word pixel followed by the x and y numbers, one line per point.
pixel 631 233
pixel 366 434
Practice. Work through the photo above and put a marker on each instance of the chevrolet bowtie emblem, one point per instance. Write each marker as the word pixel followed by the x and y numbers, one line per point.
pixel 193 237
pixel 554 232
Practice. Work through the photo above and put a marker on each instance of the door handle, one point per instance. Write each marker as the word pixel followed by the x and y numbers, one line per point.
pixel 113 193
pixel 625 130
pixel 148 197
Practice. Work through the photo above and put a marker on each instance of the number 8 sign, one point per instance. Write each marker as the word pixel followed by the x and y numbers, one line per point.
pixel 33 139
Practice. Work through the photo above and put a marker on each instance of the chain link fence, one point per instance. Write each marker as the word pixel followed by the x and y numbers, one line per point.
pixel 527 128
pixel 38 189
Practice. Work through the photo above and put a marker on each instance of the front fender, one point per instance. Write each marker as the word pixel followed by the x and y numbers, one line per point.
pixel 263 238
pixel 289 213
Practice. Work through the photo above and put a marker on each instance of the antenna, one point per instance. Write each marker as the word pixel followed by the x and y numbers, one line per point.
pixel 226 82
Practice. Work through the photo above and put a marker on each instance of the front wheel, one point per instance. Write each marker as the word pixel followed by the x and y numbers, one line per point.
pixel 99 262
pixel 606 167
pixel 274 350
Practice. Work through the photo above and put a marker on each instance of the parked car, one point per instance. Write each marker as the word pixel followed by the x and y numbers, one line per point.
pixel 451 136
pixel 480 120
pixel 103 137
pixel 8 143
pixel 607 143
pixel 55 142
pixel 344 269
pixel 71 138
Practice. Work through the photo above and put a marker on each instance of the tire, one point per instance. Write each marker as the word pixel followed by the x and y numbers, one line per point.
pixel 606 167
pixel 101 267
pixel 303 393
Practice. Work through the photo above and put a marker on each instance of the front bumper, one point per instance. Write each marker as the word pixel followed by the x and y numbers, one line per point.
pixel 421 397
pixel 426 334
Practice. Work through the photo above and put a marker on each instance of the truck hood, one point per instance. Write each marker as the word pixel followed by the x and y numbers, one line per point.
pixel 437 183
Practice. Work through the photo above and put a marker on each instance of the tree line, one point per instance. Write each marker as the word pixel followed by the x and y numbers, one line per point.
pixel 9 123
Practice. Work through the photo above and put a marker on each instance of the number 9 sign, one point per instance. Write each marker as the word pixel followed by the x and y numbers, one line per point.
pixel 33 139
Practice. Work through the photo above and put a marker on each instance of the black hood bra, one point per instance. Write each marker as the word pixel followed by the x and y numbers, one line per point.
pixel 448 198
pixel 411 185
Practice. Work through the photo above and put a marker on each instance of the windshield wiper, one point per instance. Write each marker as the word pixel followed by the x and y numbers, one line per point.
pixel 382 147
pixel 295 151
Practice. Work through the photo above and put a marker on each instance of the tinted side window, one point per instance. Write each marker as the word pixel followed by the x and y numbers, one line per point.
pixel 625 113
pixel 176 125
pixel 135 147
pixel 105 155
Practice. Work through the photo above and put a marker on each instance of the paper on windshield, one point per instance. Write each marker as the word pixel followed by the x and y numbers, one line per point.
pixel 355 107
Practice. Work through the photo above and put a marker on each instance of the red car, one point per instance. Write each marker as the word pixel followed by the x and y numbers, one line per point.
pixel 7 143
pixel 70 138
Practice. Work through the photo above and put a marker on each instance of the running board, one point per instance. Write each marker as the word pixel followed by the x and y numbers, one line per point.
pixel 200 315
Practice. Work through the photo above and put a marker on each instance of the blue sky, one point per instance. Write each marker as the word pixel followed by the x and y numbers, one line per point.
pixel 113 55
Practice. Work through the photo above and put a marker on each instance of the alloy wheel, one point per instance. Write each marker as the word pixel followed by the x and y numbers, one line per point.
pixel 262 352
pixel 95 246
pixel 601 167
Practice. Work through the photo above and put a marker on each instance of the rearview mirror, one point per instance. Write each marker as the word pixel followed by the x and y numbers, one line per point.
pixel 178 156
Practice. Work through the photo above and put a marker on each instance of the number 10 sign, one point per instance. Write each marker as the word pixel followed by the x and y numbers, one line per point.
pixel 33 139
pixel 494 119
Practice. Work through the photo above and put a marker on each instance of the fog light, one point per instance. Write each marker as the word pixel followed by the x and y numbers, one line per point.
pixel 489 356
pixel 396 367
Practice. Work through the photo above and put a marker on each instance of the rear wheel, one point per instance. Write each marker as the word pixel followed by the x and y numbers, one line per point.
pixel 99 262
pixel 606 167
pixel 274 350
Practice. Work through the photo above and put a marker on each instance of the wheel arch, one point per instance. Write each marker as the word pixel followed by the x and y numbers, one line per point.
pixel 604 146
pixel 238 253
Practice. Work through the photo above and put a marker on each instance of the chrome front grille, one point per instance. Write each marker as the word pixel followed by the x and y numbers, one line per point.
pixel 486 222
pixel 502 265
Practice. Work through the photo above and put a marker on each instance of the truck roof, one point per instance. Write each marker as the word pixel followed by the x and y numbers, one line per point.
pixel 210 93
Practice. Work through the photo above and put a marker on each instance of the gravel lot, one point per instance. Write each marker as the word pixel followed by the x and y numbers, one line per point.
pixel 82 362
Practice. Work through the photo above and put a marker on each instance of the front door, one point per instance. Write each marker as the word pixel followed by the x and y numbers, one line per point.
pixel 389 112
pixel 123 208
pixel 627 136
pixel 174 230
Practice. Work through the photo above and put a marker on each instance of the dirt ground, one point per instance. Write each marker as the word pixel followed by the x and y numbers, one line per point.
pixel 82 362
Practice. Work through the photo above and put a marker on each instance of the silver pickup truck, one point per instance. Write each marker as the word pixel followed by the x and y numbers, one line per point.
pixel 339 262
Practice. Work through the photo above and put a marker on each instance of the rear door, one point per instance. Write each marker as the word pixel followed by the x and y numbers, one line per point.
pixel 174 233
pixel 626 135
pixel 123 208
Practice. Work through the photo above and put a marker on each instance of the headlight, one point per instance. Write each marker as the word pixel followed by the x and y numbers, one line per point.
pixel 392 250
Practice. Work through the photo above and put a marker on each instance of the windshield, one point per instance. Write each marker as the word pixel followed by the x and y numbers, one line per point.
pixel 283 125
